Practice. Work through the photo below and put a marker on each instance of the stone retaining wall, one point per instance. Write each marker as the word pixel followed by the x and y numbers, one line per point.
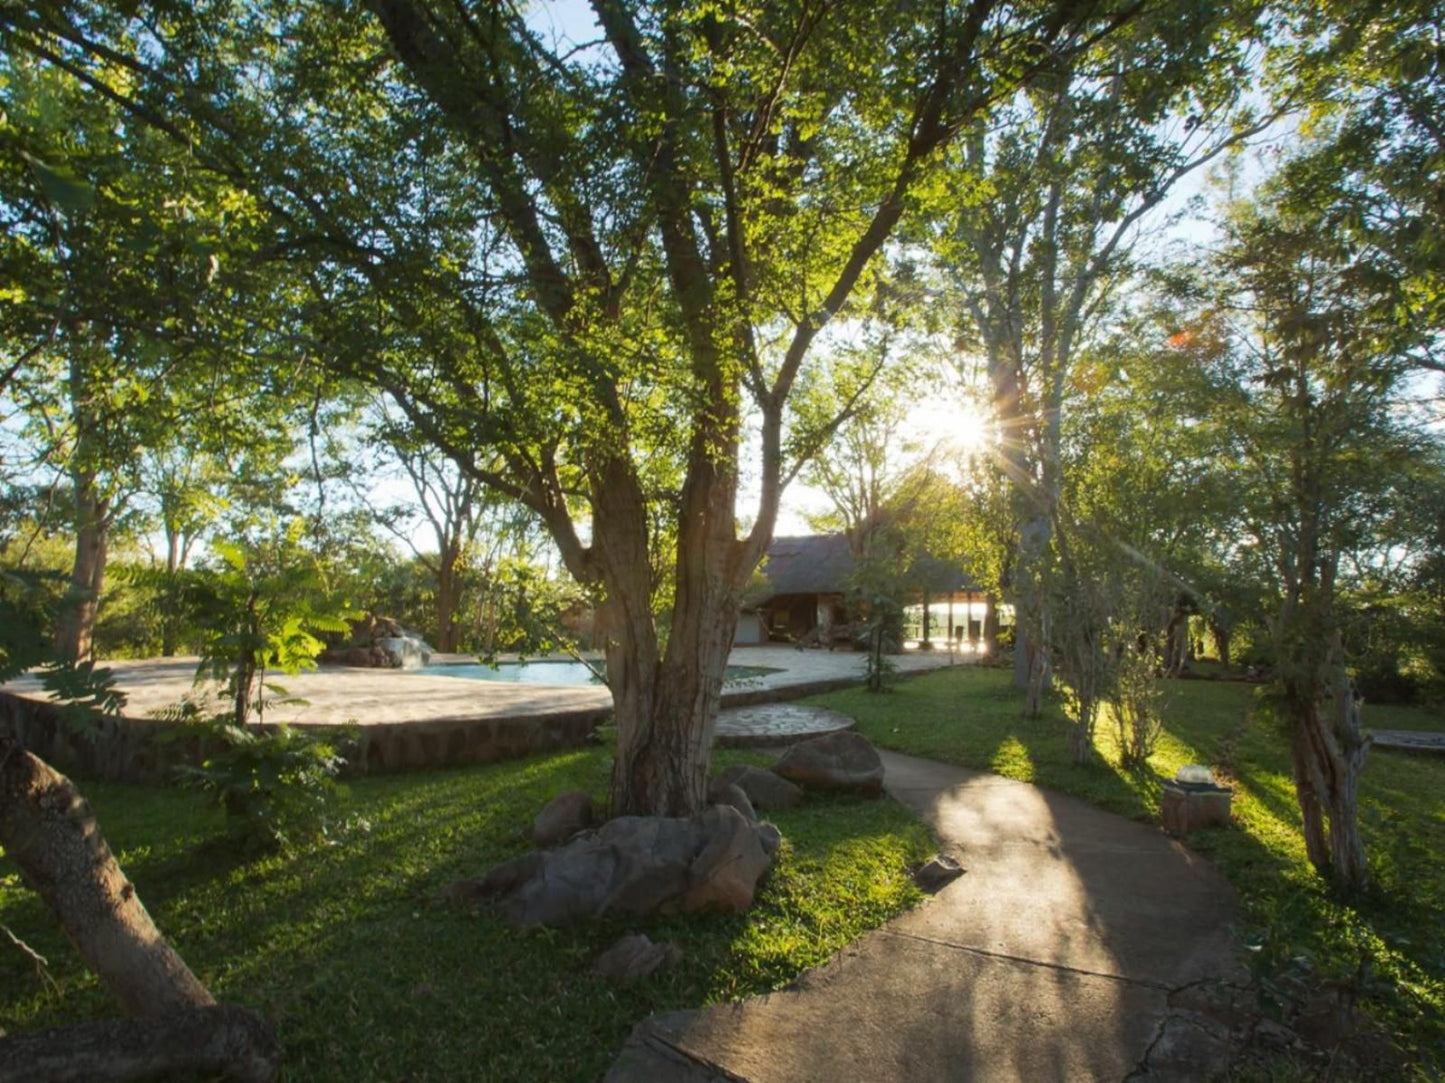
pixel 143 750
pixel 396 746
pixel 118 749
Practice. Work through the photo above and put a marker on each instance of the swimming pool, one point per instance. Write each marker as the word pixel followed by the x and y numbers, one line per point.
pixel 555 672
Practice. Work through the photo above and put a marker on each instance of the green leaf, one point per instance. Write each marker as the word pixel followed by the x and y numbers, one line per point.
pixel 70 193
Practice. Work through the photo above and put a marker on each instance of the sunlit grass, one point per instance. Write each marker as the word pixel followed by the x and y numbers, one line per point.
pixel 367 977
pixel 972 717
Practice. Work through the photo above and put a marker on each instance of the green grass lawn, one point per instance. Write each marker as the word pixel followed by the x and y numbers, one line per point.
pixel 971 717
pixel 367 978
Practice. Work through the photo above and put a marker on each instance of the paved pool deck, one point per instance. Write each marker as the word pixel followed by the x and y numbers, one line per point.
pixel 339 695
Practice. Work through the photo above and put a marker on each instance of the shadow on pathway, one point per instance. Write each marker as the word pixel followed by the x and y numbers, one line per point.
pixel 1053 958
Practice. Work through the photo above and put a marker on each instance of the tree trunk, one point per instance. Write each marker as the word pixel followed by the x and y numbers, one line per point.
pixel 1306 788
pixel 666 708
pixel 1176 635
pixel 446 602
pixel 990 626
pixel 228 1041
pixel 76 625
pixel 169 619
pixel 1031 616
pixel 1221 641
pixel 666 711
pixel 1081 737
pixel 48 830
pixel 1328 754
pixel 243 680
pixel 1348 748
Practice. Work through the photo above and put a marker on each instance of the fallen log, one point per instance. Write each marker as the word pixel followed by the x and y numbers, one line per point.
pixel 48 830
pixel 232 1042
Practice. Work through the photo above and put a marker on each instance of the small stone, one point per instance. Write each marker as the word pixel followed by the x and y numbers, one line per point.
pixel 765 790
pixel 1327 1019
pixel 734 796
pixel 1184 1050
pixel 635 956
pixel 939 871
pixel 1277 1034
pixel 770 837
pixel 843 761
pixel 1233 1006
pixel 561 818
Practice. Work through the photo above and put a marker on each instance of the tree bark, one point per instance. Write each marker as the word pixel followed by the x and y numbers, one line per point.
pixel 1031 617
pixel 990 626
pixel 169 621
pixel 1221 640
pixel 1347 748
pixel 232 1042
pixel 446 602
pixel 1306 788
pixel 666 707
pixel 1329 754
pixel 76 626
pixel 49 831
pixel 1328 749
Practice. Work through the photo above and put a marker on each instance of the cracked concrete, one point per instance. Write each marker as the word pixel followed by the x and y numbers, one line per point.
pixel 1067 952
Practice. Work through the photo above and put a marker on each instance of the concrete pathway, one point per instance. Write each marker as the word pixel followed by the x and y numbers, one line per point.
pixel 1077 946
pixel 1412 740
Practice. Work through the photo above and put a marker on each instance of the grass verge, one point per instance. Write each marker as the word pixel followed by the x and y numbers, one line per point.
pixel 1388 947
pixel 341 944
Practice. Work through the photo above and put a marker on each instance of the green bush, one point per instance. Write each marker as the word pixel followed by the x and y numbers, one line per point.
pixel 275 785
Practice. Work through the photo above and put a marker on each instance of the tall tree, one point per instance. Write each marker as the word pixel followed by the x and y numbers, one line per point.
pixel 1374 74
pixel 589 257
pixel 1312 405
pixel 1050 196
pixel 113 242
pixel 457 510
pixel 873 469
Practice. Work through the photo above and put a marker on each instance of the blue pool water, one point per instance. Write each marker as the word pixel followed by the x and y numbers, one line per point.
pixel 565 673
pixel 554 673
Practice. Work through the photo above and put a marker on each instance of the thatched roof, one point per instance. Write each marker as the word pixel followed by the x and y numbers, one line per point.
pixel 822 563
pixel 937 576
pixel 811 564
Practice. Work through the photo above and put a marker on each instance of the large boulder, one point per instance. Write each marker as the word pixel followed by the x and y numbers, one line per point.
pixel 561 818
pixel 725 873
pixel 842 761
pixel 631 865
pixel 765 790
pixel 380 643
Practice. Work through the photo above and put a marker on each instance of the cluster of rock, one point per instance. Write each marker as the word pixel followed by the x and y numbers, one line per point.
pixel 638 865
pixel 379 643
pixel 632 865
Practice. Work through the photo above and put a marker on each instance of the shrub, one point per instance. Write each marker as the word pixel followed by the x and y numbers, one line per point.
pixel 274 784
pixel 1137 700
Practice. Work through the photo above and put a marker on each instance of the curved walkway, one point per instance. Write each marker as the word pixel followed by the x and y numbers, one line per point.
pixel 1078 946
